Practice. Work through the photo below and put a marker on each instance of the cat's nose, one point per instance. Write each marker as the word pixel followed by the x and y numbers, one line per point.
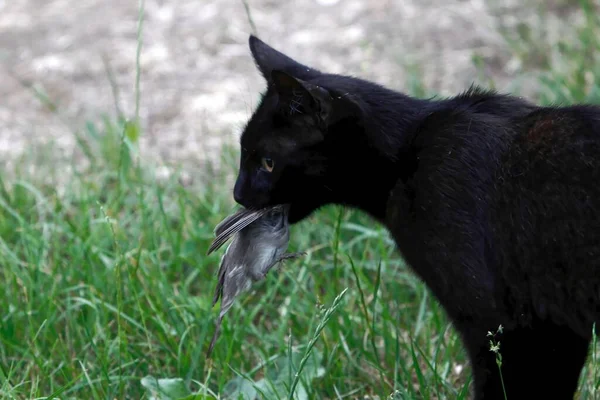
pixel 246 196
pixel 237 194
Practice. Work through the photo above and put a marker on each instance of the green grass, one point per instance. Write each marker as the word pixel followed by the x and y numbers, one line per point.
pixel 107 289
pixel 106 283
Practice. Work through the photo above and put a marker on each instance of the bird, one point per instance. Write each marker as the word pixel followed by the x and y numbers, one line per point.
pixel 260 241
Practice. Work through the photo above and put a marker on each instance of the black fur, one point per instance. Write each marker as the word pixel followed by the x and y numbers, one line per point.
pixel 492 200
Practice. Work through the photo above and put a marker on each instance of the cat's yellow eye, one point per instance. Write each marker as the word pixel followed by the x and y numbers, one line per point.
pixel 268 164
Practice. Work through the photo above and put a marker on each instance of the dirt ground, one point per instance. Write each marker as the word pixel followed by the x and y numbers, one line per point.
pixel 198 81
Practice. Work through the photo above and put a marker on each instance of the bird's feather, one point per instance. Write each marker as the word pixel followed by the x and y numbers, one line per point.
pixel 220 282
pixel 232 225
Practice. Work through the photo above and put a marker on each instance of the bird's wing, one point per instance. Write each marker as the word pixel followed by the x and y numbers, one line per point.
pixel 220 281
pixel 238 221
pixel 230 220
pixel 232 225
pixel 229 269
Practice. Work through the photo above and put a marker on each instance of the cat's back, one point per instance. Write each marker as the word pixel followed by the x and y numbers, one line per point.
pixel 551 169
pixel 545 213
pixel 517 187
pixel 485 141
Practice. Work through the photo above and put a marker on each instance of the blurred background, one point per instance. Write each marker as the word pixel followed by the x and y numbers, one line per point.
pixel 119 122
pixel 198 82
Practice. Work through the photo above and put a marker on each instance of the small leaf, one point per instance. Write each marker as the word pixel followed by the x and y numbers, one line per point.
pixel 239 388
pixel 106 260
pixel 132 131
pixel 166 389
pixel 276 383
pixel 198 397
pixel 92 130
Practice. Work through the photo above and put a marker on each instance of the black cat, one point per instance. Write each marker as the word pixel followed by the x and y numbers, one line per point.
pixel 493 201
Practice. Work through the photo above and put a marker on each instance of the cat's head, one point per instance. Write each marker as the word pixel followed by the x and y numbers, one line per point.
pixel 289 142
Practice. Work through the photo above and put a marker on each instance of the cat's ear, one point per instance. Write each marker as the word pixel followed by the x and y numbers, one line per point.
pixel 299 97
pixel 268 59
